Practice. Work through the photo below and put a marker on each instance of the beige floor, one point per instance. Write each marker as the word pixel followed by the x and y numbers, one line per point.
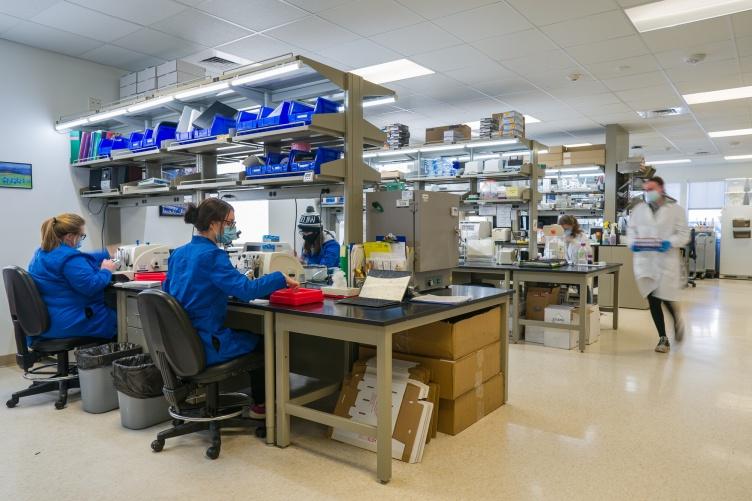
pixel 619 422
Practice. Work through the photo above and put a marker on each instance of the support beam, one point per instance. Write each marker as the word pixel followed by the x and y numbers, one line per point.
pixel 617 150
pixel 353 159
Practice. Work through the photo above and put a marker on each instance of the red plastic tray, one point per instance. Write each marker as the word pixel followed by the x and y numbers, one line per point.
pixel 151 275
pixel 297 297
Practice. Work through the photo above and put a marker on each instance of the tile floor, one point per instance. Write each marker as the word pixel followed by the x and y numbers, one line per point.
pixel 618 422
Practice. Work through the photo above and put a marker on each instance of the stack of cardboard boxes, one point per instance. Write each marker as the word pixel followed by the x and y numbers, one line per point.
pixel 542 303
pixel 558 156
pixel 152 78
pixel 464 357
pixel 448 133
pixel 511 124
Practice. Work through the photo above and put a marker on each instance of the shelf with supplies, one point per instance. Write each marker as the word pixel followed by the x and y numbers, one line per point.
pixel 517 201
pixel 573 192
pixel 498 145
pixel 571 211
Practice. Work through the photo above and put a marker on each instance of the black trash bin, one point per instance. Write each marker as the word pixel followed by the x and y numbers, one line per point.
pixel 98 392
pixel 139 390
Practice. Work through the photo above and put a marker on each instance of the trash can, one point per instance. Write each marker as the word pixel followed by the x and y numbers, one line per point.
pixel 98 392
pixel 139 391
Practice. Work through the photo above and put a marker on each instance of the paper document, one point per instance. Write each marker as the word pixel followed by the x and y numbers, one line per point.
pixel 504 216
pixel 390 289
pixel 433 298
pixel 139 284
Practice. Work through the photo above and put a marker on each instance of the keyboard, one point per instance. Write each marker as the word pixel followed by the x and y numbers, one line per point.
pixel 543 263
pixel 368 302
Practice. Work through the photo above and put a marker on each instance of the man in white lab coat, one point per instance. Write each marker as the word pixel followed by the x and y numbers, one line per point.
pixel 657 231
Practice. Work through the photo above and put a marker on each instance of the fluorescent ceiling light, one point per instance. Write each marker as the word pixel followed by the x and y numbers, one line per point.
pixel 443 147
pixel 487 156
pixel 668 13
pixel 150 103
pixel 498 142
pixel 579 169
pixel 738 157
pixel 392 71
pixel 99 117
pixel 261 75
pixel 529 119
pixel 71 124
pixel 719 95
pixel 730 133
pixel 515 154
pixel 668 162
pixel 203 90
pixel 372 154
pixel 542 152
pixel 577 145
pixel 233 147
pixel 378 102
pixel 408 151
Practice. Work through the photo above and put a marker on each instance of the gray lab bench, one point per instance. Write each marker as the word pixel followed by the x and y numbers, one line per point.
pixel 568 275
pixel 332 321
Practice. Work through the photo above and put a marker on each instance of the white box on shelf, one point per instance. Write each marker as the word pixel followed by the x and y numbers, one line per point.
pixel 147 74
pixel 175 78
pixel 128 79
pixel 178 65
pixel 128 90
pixel 146 85
pixel 474 167
pixel 493 166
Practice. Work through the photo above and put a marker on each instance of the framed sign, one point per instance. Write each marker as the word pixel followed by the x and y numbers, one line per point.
pixel 15 175
pixel 172 210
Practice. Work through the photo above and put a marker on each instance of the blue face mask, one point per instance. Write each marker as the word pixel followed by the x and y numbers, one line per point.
pixel 652 197
pixel 79 243
pixel 229 234
pixel 568 233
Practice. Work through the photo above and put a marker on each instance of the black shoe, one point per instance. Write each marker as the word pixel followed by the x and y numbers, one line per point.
pixel 663 345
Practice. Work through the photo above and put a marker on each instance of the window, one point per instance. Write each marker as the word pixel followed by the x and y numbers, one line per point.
pixel 252 219
pixel 706 195
pixel 674 191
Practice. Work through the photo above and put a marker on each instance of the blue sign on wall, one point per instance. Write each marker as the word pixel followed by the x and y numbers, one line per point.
pixel 15 175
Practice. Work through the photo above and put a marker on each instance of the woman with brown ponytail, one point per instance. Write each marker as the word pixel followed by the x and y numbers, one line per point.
pixel 72 282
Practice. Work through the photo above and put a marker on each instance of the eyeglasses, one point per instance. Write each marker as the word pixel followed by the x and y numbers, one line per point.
pixel 83 236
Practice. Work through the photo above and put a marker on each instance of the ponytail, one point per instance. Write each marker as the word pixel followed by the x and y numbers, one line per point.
pixel 55 228
pixel 207 212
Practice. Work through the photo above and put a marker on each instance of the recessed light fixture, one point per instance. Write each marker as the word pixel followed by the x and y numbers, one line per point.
pixel 719 95
pixel 408 151
pixel 100 117
pixel 738 157
pixel 577 145
pixel 379 101
pixel 668 13
pixel 498 142
pixel 443 147
pixel 668 162
pixel 392 71
pixel 150 103
pixel 730 133
pixel 264 74
pixel 71 124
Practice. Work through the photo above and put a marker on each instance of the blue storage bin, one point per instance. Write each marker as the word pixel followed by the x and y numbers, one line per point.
pixel 137 145
pixel 301 112
pixel 323 155
pixel 134 141
pixel 220 125
pixel 119 143
pixel 183 136
pixel 163 132
pixel 279 116
pixel 261 170
pixel 245 121
pixel 105 147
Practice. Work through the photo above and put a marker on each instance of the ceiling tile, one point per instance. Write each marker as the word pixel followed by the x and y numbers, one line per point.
pixel 563 89
pixel 744 46
pixel 451 58
pixel 118 57
pixel 7 22
pixel 542 12
pixel 417 38
pixel 609 50
pixel 432 9
pixel 605 109
pixel 623 67
pixel 661 96
pixel 746 64
pixel 514 45
pixel 25 9
pixel 690 72
pixel 370 17
pixel 503 86
pixel 200 28
pixel 708 82
pixel 43 37
pixel 258 48
pixel 592 100
pixel 480 73
pixel 742 23
pixel 476 24
pixel 603 26
pixel 318 5
pixel 714 51
pixel 688 35
pixel 361 52
pixel 313 34
pixel 158 44
pixel 636 81
pixel 541 62
pixel 254 14
pixel 84 22
pixel 138 11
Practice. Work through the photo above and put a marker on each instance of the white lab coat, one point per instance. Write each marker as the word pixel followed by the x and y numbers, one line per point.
pixel 657 272
pixel 574 243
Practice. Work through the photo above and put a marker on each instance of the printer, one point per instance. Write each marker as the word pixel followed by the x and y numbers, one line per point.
pixel 139 258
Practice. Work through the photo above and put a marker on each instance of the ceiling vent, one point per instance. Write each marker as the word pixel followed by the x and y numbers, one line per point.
pixel 219 63
pixel 700 153
pixel 216 62
pixel 664 112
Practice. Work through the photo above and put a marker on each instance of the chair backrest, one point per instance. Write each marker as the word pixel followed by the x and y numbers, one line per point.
pixel 170 335
pixel 26 304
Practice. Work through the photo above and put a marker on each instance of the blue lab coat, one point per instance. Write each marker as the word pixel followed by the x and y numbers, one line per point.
pixel 201 277
pixel 72 286
pixel 327 256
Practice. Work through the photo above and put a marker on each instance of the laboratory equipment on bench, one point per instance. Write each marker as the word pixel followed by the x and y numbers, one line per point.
pixel 429 223
pixel 502 234
pixel 506 255
pixel 139 258
pixel 316 272
pixel 256 264
pixel 475 230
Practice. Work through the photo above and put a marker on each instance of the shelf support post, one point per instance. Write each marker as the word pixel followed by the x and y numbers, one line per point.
pixel 617 150
pixel 354 159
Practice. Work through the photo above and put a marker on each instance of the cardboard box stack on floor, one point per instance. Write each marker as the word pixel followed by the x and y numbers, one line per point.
pixel 414 407
pixel 464 358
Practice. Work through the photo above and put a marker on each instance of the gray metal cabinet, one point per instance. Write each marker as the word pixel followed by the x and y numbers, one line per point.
pixel 629 295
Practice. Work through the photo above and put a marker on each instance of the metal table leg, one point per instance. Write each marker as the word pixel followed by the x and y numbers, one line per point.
pixel 282 348
pixel 584 327
pixel 122 324
pixel 269 376
pixel 516 311
pixel 384 409
pixel 615 317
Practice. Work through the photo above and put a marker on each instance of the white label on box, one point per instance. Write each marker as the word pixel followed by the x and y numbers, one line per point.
pixel 425 197
pixel 407 195
pixel 403 203
pixel 486 210
pixel 308 177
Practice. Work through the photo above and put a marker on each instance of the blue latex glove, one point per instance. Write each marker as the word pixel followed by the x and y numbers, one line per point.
pixel 634 248
pixel 665 246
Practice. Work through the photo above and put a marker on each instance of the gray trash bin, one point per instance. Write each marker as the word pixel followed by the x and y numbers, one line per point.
pixel 95 374
pixel 139 392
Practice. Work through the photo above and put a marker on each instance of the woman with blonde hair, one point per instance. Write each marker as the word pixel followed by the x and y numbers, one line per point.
pixel 72 282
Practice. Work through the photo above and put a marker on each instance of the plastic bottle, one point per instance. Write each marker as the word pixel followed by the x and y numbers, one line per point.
pixel 612 237
pixel 581 255
pixel 590 256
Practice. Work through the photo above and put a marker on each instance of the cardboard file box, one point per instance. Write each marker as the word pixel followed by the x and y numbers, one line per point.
pixel 568 315
pixel 466 410
pixel 537 299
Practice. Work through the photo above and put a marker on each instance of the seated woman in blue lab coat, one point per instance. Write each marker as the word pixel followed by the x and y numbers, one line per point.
pixel 72 282
pixel 201 278
pixel 320 246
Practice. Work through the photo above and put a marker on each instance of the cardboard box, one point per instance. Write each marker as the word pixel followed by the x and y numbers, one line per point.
pixel 534 334
pixel 436 134
pixel 568 315
pixel 466 410
pixel 175 78
pixel 451 339
pixel 128 91
pixel 178 65
pixel 147 74
pixel 146 85
pixel 594 155
pixel 551 159
pixel 454 377
pixel 128 79
pixel 556 150
pixel 537 299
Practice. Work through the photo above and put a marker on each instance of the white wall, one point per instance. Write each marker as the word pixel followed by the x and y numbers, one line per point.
pixel 147 226
pixel 37 87
pixel 283 220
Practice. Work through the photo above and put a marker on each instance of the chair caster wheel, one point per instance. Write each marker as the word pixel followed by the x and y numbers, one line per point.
pixel 11 403
pixel 157 445
pixel 177 422
pixel 261 432
pixel 59 405
pixel 212 452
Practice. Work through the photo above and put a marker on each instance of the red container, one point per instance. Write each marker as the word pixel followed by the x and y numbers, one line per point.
pixel 151 276
pixel 297 297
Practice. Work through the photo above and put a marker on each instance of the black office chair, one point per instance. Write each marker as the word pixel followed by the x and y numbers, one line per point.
pixel 29 316
pixel 178 353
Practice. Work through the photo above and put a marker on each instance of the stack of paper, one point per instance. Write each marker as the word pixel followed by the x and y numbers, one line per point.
pixel 489 127
pixel 397 136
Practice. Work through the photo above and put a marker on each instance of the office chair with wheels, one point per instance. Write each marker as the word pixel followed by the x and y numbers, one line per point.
pixel 29 316
pixel 179 355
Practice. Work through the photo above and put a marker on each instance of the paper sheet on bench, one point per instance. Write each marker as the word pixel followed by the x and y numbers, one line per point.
pixel 390 289
pixel 433 298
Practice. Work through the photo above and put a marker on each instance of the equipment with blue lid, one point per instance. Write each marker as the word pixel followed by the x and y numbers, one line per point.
pixel 220 125
pixel 279 165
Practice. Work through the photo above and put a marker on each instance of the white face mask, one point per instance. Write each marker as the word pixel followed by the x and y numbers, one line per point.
pixel 652 197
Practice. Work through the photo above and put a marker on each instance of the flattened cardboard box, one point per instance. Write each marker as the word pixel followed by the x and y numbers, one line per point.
pixel 459 414
pixel 455 377
pixel 436 134
pixel 451 339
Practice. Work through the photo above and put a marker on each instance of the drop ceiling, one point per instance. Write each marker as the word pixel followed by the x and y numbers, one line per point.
pixel 488 56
